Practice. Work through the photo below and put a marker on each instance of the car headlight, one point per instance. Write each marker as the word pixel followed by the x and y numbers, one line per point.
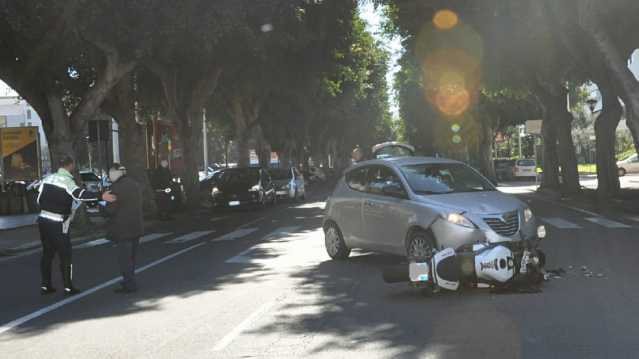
pixel 215 191
pixel 528 215
pixel 460 220
pixel 167 190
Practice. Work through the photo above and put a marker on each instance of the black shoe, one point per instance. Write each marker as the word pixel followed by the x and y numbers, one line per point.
pixel 123 290
pixel 47 289
pixel 71 291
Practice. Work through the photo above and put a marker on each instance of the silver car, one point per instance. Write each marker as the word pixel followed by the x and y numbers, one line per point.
pixel 413 206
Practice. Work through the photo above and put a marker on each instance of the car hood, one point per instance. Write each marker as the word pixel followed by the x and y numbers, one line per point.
pixel 489 202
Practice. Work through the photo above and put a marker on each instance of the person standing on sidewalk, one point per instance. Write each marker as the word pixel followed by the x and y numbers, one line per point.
pixel 126 224
pixel 59 198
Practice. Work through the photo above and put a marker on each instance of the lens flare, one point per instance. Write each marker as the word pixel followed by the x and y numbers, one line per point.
pixel 445 19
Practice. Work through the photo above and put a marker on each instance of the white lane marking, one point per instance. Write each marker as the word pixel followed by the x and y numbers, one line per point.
pixel 237 234
pixel 560 223
pixel 97 242
pixel 249 223
pixel 278 233
pixel 189 237
pixel 38 313
pixel 320 205
pixel 607 223
pixel 228 338
pixel 580 210
pixel 153 236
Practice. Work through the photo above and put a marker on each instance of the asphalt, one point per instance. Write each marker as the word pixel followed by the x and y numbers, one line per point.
pixel 262 286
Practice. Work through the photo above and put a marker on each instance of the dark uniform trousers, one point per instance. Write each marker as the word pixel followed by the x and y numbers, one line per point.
pixel 55 241
pixel 127 253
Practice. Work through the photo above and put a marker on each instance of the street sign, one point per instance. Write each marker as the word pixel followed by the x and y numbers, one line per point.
pixel 20 153
pixel 533 127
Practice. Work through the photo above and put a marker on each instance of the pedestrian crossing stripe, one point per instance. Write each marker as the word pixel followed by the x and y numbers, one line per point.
pixel 153 236
pixel 560 223
pixel 237 234
pixel 95 243
pixel 607 223
pixel 190 237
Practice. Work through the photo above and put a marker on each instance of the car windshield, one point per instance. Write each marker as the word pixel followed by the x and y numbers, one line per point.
pixel 89 177
pixel 238 175
pixel 280 174
pixel 441 178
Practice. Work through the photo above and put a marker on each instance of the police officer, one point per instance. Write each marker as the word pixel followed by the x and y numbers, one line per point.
pixel 59 197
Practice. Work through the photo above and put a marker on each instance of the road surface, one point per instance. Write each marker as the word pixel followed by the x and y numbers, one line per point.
pixel 259 284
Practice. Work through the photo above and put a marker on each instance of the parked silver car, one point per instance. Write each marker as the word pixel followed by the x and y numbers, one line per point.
pixel 412 206
pixel 289 183
pixel 629 165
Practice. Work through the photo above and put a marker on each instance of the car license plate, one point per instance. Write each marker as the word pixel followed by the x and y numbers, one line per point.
pixel 234 203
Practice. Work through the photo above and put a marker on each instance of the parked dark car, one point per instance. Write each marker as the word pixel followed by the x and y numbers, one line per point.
pixel 504 169
pixel 241 187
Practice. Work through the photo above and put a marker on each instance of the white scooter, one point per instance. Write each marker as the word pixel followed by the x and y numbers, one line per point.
pixel 498 265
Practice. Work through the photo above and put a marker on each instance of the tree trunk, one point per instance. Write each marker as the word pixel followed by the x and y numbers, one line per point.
pixel 486 163
pixel 616 63
pixel 558 117
pixel 60 138
pixel 566 152
pixel 132 137
pixel 605 131
pixel 550 179
pixel 189 176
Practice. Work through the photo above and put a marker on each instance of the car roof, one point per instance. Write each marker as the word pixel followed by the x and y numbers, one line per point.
pixel 407 160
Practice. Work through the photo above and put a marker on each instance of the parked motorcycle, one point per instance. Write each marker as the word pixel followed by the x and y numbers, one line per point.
pixel 504 265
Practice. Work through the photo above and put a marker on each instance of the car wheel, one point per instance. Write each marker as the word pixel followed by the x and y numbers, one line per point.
pixel 420 245
pixel 334 242
pixel 621 172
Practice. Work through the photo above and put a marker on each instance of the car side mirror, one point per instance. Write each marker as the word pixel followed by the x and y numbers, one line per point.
pixel 393 190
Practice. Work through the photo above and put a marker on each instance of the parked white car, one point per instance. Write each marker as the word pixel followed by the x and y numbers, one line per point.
pixel 525 169
pixel 629 165
pixel 289 183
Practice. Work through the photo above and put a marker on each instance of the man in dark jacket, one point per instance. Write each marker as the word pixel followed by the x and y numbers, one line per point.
pixel 126 224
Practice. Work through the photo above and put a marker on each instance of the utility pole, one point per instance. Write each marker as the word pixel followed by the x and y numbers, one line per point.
pixel 205 141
